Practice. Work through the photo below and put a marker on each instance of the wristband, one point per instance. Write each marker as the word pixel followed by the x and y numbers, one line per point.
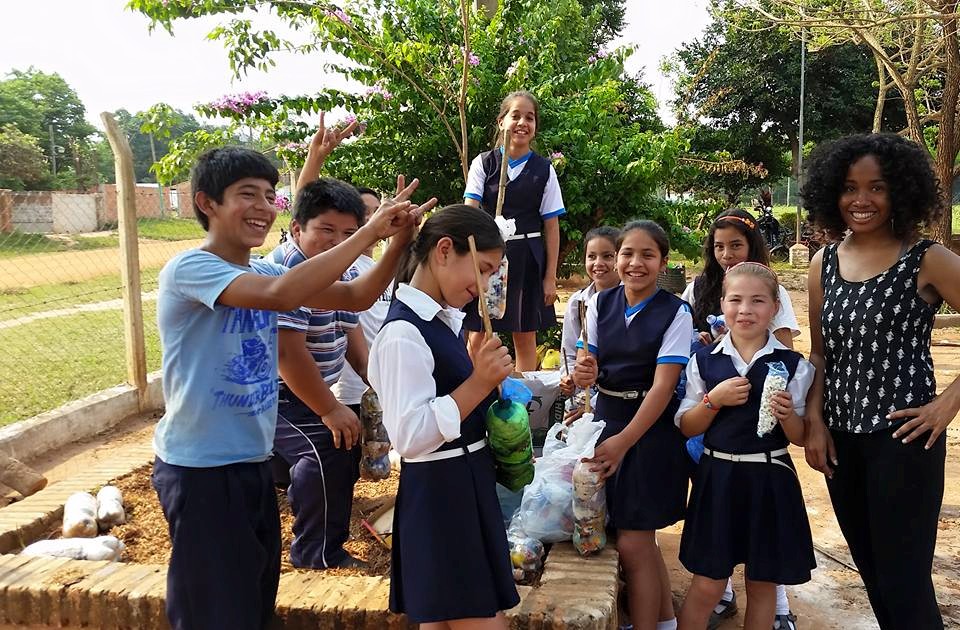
pixel 710 405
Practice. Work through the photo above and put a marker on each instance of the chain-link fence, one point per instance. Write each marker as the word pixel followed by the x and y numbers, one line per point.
pixel 61 317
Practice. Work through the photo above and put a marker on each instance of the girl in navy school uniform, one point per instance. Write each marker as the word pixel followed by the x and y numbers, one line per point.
pixel 600 263
pixel 534 201
pixel 734 238
pixel 638 343
pixel 746 506
pixel 450 565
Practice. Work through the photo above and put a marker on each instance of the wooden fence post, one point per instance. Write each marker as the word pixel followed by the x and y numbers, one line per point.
pixel 136 355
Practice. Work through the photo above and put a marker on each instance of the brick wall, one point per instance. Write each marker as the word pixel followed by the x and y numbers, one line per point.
pixel 6 211
pixel 148 203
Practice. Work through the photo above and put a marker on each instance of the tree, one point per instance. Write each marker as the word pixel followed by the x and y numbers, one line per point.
pixel 34 101
pixel 916 50
pixel 151 132
pixel 430 101
pixel 743 78
pixel 21 159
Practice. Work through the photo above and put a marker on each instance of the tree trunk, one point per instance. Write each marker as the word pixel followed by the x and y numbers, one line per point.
pixel 881 96
pixel 946 137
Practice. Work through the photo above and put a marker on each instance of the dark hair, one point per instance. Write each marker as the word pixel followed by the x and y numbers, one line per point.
pixel 217 169
pixel 363 190
pixel 505 105
pixel 328 195
pixel 708 286
pixel 458 222
pixel 757 270
pixel 653 229
pixel 914 190
pixel 608 232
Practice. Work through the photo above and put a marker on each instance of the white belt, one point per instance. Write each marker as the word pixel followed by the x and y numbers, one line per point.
pixel 754 458
pixel 516 237
pixel 631 395
pixel 447 454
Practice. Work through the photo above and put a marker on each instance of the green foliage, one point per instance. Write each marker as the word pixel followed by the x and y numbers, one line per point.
pixel 21 159
pixel 599 124
pixel 36 102
pixel 738 86
pixel 164 123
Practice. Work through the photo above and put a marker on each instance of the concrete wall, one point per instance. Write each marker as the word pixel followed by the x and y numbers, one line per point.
pixel 32 212
pixel 147 199
pixel 74 213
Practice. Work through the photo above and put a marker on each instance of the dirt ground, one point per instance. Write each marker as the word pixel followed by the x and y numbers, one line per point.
pixel 834 599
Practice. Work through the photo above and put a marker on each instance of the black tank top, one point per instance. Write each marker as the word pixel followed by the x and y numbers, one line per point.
pixel 876 337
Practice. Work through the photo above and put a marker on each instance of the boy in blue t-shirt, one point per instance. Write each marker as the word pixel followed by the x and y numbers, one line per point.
pixel 216 312
pixel 317 436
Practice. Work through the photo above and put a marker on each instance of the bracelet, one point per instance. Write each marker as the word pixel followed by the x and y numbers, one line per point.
pixel 710 405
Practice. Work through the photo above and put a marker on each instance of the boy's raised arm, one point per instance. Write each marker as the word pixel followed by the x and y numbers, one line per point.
pixel 314 282
pixel 323 143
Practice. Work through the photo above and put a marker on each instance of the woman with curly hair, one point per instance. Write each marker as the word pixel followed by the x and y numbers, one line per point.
pixel 875 425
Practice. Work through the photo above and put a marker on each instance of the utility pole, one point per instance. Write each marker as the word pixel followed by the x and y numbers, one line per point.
pixel 162 206
pixel 53 151
pixel 800 253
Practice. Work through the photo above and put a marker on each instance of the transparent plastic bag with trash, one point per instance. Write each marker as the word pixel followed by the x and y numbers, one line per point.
pixel 526 552
pixel 508 430
pixel 546 508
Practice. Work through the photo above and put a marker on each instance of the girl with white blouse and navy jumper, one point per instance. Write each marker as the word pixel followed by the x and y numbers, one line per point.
pixel 746 506
pixel 876 426
pixel 450 560
pixel 638 340
pixel 534 201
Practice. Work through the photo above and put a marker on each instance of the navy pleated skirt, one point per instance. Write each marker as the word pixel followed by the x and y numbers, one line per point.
pixel 649 489
pixel 450 558
pixel 747 513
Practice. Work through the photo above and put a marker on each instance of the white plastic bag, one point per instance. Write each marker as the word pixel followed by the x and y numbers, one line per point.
pixel 99 548
pixel 775 382
pixel 80 516
pixel 547 505
pixel 545 387
pixel 110 507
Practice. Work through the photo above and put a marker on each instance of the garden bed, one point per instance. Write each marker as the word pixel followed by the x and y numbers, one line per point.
pixel 147 541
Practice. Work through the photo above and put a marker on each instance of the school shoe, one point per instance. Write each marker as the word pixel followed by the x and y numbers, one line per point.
pixel 727 608
pixel 785 622
pixel 351 563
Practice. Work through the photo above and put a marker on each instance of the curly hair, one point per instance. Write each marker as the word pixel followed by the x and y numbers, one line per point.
pixel 708 286
pixel 915 201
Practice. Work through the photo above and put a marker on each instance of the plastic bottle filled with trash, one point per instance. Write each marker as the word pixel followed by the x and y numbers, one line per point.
pixel 717 325
pixel 589 510
pixel 375 449
pixel 508 429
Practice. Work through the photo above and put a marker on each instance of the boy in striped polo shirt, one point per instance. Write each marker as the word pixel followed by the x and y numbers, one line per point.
pixel 316 435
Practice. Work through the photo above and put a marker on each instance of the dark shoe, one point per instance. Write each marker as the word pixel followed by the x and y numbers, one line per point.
pixel 785 622
pixel 727 608
pixel 351 563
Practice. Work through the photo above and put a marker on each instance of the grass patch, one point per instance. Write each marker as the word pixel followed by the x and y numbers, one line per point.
pixel 16 303
pixel 172 229
pixel 68 358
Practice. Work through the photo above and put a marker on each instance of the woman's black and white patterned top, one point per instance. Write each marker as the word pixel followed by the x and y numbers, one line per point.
pixel 876 336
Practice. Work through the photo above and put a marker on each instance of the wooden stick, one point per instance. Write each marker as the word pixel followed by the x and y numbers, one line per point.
pixel 566 359
pixel 502 191
pixel 481 291
pixel 586 348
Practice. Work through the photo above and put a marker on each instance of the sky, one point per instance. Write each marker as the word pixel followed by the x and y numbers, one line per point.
pixel 112 60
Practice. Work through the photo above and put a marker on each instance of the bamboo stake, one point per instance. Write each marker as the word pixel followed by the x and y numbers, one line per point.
pixel 586 348
pixel 502 191
pixel 482 301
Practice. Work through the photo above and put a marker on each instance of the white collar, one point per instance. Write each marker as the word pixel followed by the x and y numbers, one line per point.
pixel 427 308
pixel 726 347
